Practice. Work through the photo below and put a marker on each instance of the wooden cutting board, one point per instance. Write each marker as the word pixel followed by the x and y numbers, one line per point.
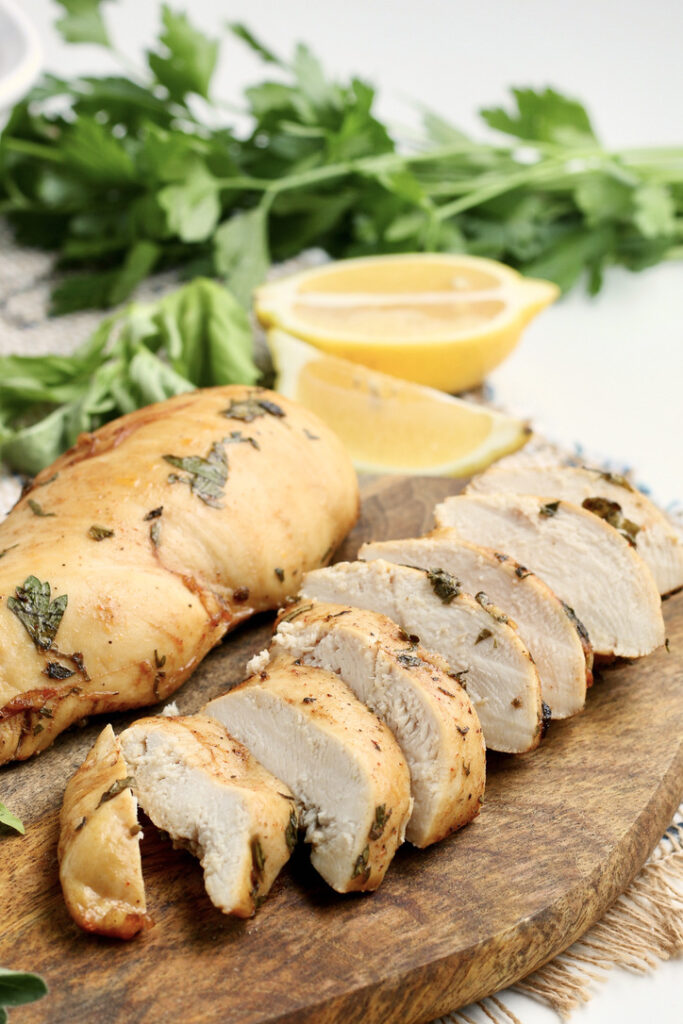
pixel 562 832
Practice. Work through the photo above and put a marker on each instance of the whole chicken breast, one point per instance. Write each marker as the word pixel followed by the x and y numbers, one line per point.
pixel 608 495
pixel 99 845
pixel 585 561
pixel 410 689
pixel 347 772
pixel 557 641
pixel 137 550
pixel 477 640
pixel 212 797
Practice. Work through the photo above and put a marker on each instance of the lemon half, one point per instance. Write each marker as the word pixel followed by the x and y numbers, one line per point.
pixel 390 425
pixel 440 320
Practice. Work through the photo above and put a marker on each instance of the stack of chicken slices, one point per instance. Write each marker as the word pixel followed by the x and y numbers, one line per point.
pixel 366 722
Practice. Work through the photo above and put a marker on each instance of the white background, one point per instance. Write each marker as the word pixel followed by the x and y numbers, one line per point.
pixel 606 373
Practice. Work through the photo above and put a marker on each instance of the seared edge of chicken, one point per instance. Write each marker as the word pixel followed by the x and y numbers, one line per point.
pixel 557 642
pixel 611 497
pixel 585 561
pixel 426 709
pixel 213 797
pixel 134 553
pixel 347 772
pixel 477 639
pixel 99 845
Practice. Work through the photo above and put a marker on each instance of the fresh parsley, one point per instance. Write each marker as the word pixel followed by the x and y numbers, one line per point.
pixel 40 616
pixel 126 174
pixel 206 477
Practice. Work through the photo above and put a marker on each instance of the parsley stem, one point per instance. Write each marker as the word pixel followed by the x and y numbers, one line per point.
pixel 33 149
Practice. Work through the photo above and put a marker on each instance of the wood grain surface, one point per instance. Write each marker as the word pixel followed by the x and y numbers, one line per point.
pixel 562 832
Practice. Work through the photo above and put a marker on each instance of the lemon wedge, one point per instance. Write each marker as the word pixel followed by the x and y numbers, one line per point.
pixel 390 425
pixel 436 319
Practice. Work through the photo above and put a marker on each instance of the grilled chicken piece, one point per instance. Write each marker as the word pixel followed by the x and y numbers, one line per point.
pixel 136 551
pixel 584 560
pixel 556 640
pixel 207 791
pixel 476 639
pixel 99 845
pixel 611 497
pixel 344 767
pixel 428 712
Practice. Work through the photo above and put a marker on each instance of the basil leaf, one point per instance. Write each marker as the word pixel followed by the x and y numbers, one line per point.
pixel 241 253
pixel 11 821
pixel 20 987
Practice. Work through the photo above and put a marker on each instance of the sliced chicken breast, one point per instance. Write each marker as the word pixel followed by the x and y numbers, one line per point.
pixel 428 712
pixel 344 767
pixel 477 640
pixel 585 561
pixel 608 495
pixel 556 641
pixel 99 845
pixel 207 791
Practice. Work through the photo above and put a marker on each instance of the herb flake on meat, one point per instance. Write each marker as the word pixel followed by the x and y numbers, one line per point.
pixel 53 670
pixel 549 510
pixel 292 831
pixel 206 476
pixel 445 586
pixel 612 513
pixel 116 788
pixel 38 509
pixel 39 615
pixel 381 818
pixel 361 865
pixel 100 532
pixel 250 408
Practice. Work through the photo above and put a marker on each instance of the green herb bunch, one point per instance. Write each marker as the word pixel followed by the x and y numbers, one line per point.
pixel 197 336
pixel 127 174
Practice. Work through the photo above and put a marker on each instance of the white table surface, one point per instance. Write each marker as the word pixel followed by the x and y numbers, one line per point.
pixel 606 373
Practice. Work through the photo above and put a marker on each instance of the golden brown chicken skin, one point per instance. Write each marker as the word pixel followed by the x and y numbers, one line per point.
pixel 137 550
pixel 99 845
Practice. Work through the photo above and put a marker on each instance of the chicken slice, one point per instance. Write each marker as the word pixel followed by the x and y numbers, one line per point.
pixel 344 767
pixel 611 497
pixel 556 640
pixel 207 791
pixel 99 845
pixel 601 577
pixel 428 712
pixel 477 640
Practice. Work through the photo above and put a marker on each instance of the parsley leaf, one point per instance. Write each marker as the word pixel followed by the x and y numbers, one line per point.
pixel 206 477
pixel 39 616
pixel 186 60
pixel 82 22
pixel 123 177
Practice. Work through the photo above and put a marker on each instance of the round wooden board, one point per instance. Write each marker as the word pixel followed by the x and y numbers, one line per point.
pixel 562 832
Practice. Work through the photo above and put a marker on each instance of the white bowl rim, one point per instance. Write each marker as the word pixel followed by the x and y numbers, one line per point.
pixel 17 82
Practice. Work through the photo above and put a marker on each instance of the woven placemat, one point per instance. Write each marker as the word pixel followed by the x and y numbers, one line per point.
pixel 645 925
